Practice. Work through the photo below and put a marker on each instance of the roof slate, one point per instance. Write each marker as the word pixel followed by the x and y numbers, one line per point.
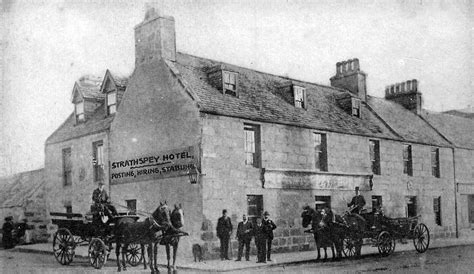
pixel 16 189
pixel 405 123
pixel 458 130
pixel 89 86
pixel 258 100
pixel 97 122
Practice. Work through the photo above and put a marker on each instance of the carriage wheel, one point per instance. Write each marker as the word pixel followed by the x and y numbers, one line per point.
pixel 134 254
pixel 97 253
pixel 349 247
pixel 385 243
pixel 63 246
pixel 421 238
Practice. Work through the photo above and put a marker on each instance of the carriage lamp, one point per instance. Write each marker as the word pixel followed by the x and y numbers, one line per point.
pixel 193 174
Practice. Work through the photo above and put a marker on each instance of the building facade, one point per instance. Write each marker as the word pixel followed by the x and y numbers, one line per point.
pixel 258 141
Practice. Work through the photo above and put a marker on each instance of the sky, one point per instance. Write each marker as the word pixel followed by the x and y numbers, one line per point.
pixel 47 45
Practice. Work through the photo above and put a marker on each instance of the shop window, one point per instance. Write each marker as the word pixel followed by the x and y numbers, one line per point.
pixel 254 206
pixel 322 202
pixel 252 145
pixel 67 167
pixel 374 148
pixel 470 206
pixel 98 160
pixel 320 147
pixel 437 209
pixel 411 206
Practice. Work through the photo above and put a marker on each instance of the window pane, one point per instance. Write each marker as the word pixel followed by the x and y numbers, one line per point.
pixel 79 108
pixel 112 109
pixel 111 98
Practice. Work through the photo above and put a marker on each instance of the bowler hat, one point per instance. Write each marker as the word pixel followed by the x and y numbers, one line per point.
pixel 356 188
pixel 266 213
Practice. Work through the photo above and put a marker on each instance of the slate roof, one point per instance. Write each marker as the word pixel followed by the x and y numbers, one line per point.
pixel 16 189
pixel 120 81
pixel 406 124
pixel 97 122
pixel 458 130
pixel 258 100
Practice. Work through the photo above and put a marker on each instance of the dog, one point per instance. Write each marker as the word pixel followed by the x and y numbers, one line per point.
pixel 197 252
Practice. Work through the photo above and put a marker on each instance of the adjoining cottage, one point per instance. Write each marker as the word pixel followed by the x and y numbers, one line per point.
pixel 257 142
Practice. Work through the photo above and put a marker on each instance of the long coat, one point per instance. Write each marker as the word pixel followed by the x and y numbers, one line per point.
pixel 244 231
pixel 224 227
pixel 100 196
pixel 269 226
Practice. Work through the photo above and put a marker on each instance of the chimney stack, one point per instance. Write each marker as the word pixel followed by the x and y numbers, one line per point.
pixel 405 94
pixel 349 76
pixel 155 38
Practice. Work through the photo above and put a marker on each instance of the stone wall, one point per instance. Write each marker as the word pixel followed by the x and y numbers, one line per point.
pixel 465 180
pixel 79 193
pixel 291 180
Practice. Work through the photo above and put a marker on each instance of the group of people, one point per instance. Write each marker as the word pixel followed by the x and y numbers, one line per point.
pixel 261 230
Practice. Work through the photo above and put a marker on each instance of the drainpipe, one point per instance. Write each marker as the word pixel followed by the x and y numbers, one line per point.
pixel 455 193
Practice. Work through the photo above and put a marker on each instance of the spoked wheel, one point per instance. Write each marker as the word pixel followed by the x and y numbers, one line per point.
pixel 63 246
pixel 385 243
pixel 421 238
pixel 134 254
pixel 349 247
pixel 97 253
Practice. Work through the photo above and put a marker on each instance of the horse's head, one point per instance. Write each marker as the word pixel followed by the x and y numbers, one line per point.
pixel 161 216
pixel 307 216
pixel 177 216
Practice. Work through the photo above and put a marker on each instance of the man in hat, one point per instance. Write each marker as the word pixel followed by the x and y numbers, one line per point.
pixel 7 228
pixel 269 227
pixel 260 232
pixel 244 236
pixel 357 203
pixel 224 230
pixel 102 201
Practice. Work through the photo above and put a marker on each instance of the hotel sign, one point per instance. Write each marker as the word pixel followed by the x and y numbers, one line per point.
pixel 166 164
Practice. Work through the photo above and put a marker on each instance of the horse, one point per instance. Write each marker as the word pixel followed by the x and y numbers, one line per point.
pixel 128 231
pixel 170 237
pixel 322 235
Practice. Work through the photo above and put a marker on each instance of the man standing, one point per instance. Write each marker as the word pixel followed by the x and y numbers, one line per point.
pixel 102 201
pixel 224 230
pixel 357 203
pixel 7 229
pixel 244 236
pixel 269 227
pixel 261 235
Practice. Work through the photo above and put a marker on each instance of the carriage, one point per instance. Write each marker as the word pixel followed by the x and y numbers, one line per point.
pixel 76 229
pixel 383 232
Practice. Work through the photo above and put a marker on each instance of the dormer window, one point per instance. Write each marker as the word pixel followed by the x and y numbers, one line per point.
pixel 229 82
pixel 355 102
pixel 79 109
pixel 111 102
pixel 300 96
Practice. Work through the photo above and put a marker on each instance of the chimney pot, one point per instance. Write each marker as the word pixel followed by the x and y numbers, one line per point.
pixel 348 76
pixel 402 87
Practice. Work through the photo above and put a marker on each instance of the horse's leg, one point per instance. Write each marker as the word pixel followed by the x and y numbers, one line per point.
pixel 175 250
pixel 117 254
pixel 142 247
pixel 167 246
pixel 124 260
pixel 332 250
pixel 150 256
pixel 325 252
pixel 155 255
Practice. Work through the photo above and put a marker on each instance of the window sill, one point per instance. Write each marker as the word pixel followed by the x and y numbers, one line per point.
pixel 314 171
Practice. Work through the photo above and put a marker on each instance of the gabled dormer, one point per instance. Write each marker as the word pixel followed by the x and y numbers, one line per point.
pixel 294 94
pixel 78 101
pixel 112 88
pixel 86 98
pixel 350 103
pixel 224 79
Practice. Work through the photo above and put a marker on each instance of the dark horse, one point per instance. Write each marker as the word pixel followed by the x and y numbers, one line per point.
pixel 128 231
pixel 170 237
pixel 323 235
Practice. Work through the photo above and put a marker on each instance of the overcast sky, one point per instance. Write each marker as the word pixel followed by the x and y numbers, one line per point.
pixel 48 46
